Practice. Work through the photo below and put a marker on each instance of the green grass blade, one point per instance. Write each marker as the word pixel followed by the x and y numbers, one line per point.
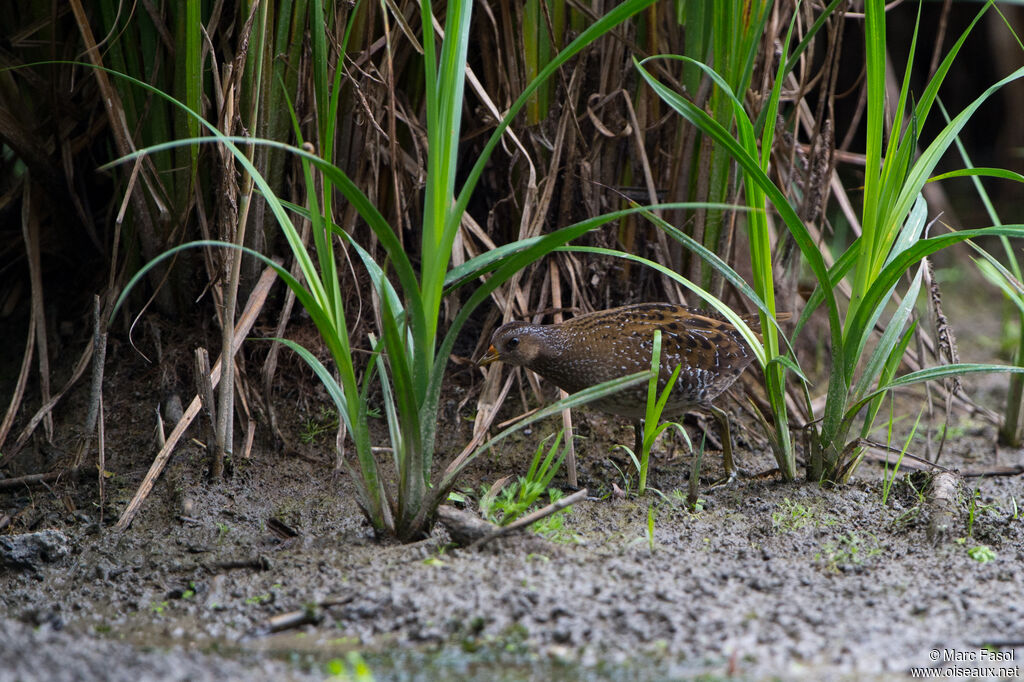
pixel 890 337
pixel 926 163
pixel 575 400
pixel 889 369
pixel 941 372
pixel 489 260
pixel 1000 173
pixel 925 247
pixel 444 119
pixel 752 167
pixel 857 336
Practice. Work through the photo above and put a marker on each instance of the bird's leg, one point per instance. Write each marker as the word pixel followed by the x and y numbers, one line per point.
pixel 723 425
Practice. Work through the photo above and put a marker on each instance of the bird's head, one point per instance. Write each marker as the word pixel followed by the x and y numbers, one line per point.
pixel 515 343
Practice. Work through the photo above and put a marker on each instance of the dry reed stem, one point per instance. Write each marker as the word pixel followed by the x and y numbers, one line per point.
pixel 204 389
pixel 30 233
pixel 19 386
pixel 144 223
pixel 76 374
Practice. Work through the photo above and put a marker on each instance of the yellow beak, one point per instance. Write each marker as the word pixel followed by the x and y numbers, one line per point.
pixel 490 356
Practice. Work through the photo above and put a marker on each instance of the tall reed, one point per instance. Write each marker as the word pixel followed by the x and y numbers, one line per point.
pixel 410 351
pixel 893 239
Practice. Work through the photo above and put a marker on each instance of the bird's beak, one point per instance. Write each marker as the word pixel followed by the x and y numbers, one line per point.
pixel 490 356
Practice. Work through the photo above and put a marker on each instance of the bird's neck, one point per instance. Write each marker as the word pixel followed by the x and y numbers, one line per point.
pixel 556 361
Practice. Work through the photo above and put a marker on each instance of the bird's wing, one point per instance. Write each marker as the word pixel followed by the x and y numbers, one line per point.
pixel 704 343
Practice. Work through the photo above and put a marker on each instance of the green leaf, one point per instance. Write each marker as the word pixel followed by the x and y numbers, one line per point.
pixel 576 399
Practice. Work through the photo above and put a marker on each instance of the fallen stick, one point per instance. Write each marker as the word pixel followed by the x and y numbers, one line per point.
pixel 74 473
pixel 942 495
pixel 252 309
pixel 311 614
pixel 1015 470
pixel 882 453
pixel 464 527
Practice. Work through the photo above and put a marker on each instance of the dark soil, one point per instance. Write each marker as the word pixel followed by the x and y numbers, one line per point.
pixel 767 579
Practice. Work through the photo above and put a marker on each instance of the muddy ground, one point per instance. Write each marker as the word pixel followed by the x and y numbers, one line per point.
pixel 767 580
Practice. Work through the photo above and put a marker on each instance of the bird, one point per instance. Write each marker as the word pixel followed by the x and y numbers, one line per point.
pixel 592 348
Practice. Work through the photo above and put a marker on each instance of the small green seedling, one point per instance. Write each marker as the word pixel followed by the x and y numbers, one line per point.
pixel 887 479
pixel 315 427
pixel 974 508
pixel 791 516
pixel 653 427
pixel 847 550
pixel 352 669
pixel 514 501
pixel 982 554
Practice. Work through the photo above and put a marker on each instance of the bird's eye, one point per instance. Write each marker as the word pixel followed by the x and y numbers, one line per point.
pixel 512 343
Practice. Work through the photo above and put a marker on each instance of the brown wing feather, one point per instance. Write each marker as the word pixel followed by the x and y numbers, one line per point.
pixel 717 347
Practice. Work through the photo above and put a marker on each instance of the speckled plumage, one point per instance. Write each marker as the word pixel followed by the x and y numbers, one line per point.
pixel 607 344
pixel 596 347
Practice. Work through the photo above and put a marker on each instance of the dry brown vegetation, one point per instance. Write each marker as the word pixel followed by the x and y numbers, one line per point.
pixel 592 139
